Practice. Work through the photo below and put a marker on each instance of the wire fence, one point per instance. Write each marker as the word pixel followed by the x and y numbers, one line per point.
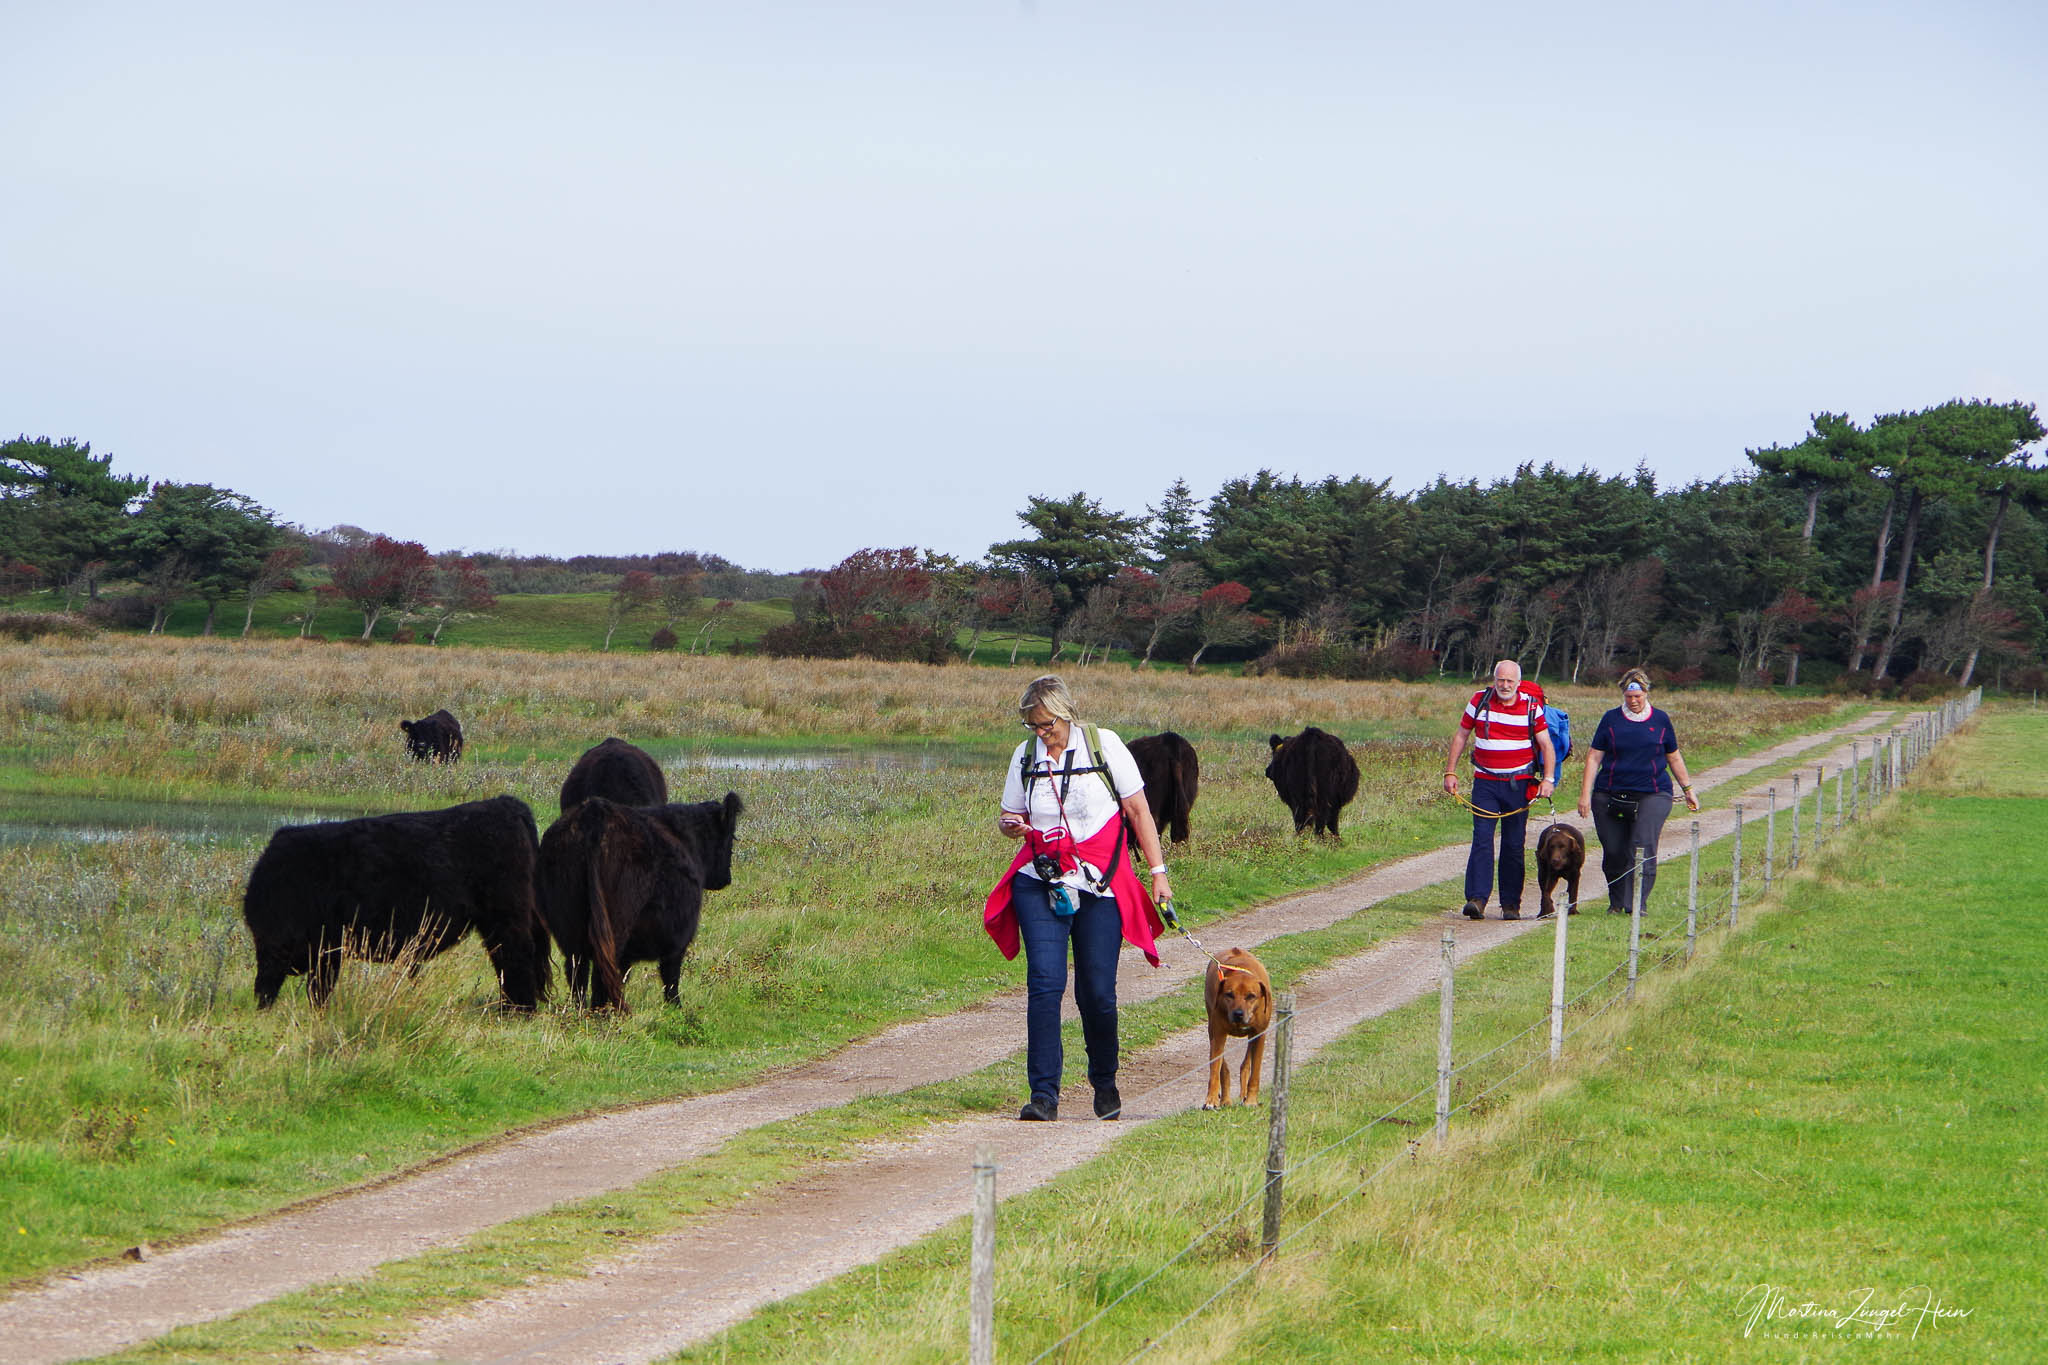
pixel 1812 816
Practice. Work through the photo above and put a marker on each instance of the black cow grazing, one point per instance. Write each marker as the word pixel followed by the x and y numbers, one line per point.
pixel 1172 775
pixel 437 739
pixel 388 885
pixel 617 771
pixel 1315 775
pixel 625 884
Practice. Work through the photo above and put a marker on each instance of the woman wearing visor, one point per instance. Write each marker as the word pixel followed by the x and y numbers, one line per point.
pixel 1627 787
pixel 1078 807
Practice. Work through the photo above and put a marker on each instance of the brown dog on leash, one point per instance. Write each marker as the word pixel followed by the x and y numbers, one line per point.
pixel 1240 1000
pixel 1560 856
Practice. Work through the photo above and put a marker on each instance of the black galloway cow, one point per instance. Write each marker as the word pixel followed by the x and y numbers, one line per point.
pixel 617 771
pixel 625 884
pixel 392 885
pixel 1172 775
pixel 1315 775
pixel 437 739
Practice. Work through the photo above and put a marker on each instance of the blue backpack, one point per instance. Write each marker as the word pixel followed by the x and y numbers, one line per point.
pixel 1559 722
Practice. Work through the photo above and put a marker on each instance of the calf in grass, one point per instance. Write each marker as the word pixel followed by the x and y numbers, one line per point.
pixel 625 884
pixel 392 886
pixel 437 739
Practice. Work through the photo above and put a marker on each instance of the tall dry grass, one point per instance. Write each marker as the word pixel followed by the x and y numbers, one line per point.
pixel 304 696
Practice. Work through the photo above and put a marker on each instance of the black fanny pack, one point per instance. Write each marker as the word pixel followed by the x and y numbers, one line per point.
pixel 1624 805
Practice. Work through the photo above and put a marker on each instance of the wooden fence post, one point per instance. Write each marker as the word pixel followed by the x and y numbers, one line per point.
pixel 1276 1138
pixel 1735 881
pixel 1557 987
pixel 1443 1038
pixel 1635 922
pixel 1795 819
pixel 1692 895
pixel 981 1299
pixel 1770 839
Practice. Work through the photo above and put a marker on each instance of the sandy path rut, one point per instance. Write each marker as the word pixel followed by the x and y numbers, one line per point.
pixel 684 1286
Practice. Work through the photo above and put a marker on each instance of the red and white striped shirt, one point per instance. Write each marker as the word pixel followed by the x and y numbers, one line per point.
pixel 1502 742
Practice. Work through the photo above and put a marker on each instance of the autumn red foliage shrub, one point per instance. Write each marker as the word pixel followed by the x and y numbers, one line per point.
pixel 864 639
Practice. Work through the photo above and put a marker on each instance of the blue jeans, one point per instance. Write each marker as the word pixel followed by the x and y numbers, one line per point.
pixel 1497 794
pixel 1096 931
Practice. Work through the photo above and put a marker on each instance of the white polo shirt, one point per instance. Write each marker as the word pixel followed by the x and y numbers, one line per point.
pixel 1088 803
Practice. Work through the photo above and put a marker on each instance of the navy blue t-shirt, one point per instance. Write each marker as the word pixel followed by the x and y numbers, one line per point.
pixel 1634 750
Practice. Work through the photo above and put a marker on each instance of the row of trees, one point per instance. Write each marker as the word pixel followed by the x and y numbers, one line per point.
pixel 1914 541
pixel 69 523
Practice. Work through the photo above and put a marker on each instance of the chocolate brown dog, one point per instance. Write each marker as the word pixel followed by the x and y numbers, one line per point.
pixel 1240 1000
pixel 1560 854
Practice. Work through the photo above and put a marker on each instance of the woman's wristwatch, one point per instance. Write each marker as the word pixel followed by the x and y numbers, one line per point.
pixel 1159 871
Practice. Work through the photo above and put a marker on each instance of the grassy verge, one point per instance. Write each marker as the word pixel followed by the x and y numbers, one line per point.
pixel 1834 1115
pixel 152 1100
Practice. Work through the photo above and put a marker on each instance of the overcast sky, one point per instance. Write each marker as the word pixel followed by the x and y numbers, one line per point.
pixel 779 281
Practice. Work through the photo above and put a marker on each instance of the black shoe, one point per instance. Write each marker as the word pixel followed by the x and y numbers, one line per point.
pixel 1108 1104
pixel 1475 909
pixel 1617 909
pixel 1510 912
pixel 1040 1110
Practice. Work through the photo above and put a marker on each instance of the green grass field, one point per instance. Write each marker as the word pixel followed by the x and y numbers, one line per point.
pixel 548 622
pixel 1819 1142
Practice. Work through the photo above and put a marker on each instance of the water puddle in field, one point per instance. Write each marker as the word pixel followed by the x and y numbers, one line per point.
pixel 31 820
pixel 865 760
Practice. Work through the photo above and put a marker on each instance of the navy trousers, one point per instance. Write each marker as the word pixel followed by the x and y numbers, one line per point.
pixel 1096 931
pixel 1498 794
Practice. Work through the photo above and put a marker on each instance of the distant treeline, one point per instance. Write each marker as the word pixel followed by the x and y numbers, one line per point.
pixel 70 525
pixel 1863 555
pixel 714 575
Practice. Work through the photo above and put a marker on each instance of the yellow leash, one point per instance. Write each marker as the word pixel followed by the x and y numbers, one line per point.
pixel 1173 922
pixel 1459 797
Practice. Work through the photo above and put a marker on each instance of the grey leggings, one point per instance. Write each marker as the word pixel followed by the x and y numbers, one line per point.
pixel 1620 837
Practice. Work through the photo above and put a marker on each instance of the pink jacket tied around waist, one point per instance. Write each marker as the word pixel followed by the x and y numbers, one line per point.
pixel 1141 922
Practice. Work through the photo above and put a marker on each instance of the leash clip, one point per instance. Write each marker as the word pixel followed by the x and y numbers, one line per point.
pixel 1173 922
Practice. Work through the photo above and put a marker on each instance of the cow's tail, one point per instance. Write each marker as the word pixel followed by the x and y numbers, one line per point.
pixel 604 947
